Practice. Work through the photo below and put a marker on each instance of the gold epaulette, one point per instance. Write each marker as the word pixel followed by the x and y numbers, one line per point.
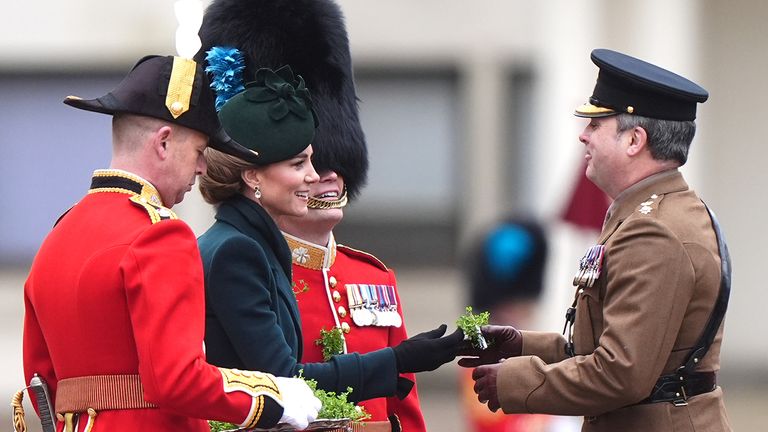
pixel 156 212
pixel 365 256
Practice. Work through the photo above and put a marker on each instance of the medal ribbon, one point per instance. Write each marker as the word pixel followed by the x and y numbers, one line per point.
pixel 383 300
pixel 353 294
pixel 392 297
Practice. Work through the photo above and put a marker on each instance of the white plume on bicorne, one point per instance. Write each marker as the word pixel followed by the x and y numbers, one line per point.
pixel 189 13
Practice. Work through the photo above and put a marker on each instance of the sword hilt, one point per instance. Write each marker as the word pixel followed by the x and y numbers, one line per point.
pixel 40 390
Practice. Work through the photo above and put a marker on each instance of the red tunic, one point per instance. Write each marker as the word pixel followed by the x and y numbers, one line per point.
pixel 117 289
pixel 320 277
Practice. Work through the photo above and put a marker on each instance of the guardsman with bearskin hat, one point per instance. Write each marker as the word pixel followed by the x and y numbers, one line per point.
pixel 114 302
pixel 642 339
pixel 345 292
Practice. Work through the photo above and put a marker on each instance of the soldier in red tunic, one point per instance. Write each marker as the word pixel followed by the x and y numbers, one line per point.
pixel 338 286
pixel 114 302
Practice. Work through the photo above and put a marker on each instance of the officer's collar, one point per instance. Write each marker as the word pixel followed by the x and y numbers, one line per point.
pixel 310 255
pixel 642 184
pixel 115 180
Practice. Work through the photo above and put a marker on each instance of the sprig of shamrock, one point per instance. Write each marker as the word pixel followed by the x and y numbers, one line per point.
pixel 219 426
pixel 470 324
pixel 332 342
pixel 336 406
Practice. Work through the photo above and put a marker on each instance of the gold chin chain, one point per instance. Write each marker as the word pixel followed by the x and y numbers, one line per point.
pixel 317 204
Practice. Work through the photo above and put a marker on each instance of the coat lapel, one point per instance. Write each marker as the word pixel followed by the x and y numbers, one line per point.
pixel 252 220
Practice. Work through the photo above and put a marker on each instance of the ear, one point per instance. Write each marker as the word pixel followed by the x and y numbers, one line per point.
pixel 251 177
pixel 160 141
pixel 638 141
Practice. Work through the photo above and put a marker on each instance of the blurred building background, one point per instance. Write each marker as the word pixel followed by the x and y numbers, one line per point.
pixel 467 111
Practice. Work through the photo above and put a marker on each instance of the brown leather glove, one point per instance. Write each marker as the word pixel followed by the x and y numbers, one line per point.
pixel 504 342
pixel 485 385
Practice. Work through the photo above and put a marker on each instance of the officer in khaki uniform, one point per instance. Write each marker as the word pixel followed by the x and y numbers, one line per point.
pixel 642 340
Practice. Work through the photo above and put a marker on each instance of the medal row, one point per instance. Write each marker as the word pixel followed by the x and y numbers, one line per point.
pixel 590 267
pixel 373 305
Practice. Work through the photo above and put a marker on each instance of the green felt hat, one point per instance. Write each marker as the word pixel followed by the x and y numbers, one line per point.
pixel 273 116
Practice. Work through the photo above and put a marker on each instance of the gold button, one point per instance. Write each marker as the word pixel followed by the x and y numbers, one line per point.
pixel 336 296
pixel 177 107
pixel 332 281
pixel 342 312
pixel 630 109
pixel 345 327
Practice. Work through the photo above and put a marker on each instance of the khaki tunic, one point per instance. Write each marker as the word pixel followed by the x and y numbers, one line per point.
pixel 659 282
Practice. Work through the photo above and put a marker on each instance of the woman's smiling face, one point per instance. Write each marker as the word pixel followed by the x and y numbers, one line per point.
pixel 285 185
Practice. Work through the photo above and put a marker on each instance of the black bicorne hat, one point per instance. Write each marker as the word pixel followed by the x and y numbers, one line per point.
pixel 154 88
pixel 310 36
pixel 629 85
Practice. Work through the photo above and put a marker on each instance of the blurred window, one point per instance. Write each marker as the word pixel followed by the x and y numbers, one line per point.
pixel 49 151
pixel 406 215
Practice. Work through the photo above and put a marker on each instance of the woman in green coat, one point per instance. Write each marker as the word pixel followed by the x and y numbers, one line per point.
pixel 252 318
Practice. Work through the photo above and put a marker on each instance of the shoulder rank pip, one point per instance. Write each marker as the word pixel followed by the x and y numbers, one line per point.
pixel 647 206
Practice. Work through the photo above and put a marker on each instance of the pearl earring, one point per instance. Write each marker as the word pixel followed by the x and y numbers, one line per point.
pixel 257 192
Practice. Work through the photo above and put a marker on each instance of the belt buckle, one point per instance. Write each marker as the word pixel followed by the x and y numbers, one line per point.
pixel 681 401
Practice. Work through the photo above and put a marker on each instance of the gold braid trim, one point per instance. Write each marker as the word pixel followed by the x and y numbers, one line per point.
pixel 69 422
pixel 111 189
pixel 156 213
pixel 19 424
pixel 91 420
pixel 180 86
pixel 256 384
pixel 255 415
pixel 148 191
pixel 309 255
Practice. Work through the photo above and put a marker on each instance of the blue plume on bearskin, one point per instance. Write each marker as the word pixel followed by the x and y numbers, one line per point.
pixel 226 65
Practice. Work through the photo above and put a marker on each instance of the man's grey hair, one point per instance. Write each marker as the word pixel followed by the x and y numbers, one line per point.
pixel 667 139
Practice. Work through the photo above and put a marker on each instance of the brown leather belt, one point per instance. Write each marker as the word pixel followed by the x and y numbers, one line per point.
pixel 678 388
pixel 111 392
pixel 100 392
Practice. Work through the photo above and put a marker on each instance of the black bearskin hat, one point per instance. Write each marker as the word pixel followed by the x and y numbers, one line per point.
pixel 310 36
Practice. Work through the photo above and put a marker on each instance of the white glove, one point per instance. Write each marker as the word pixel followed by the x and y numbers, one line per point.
pixel 300 406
